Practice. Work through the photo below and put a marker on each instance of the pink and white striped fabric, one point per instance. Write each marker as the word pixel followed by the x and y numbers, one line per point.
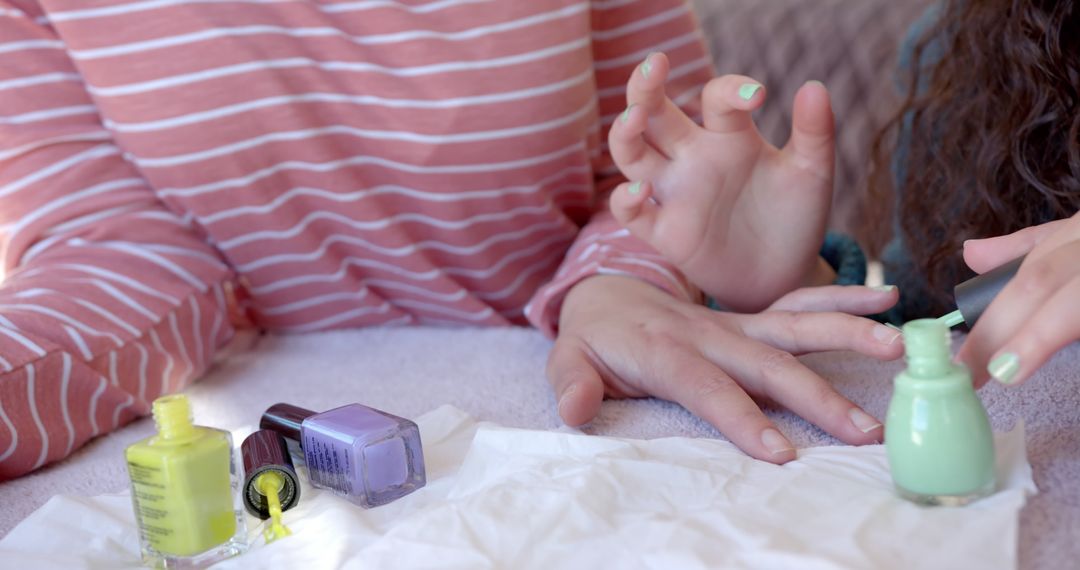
pixel 330 163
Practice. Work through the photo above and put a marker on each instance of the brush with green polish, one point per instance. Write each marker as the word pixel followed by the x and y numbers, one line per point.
pixel 975 295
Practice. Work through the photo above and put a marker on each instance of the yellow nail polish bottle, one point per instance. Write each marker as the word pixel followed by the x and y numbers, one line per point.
pixel 185 490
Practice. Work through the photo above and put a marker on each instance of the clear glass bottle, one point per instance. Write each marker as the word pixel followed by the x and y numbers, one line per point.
pixel 937 435
pixel 185 490
pixel 368 456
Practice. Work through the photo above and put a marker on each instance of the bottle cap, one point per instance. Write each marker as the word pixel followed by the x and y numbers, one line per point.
pixel 263 451
pixel 285 419
pixel 975 295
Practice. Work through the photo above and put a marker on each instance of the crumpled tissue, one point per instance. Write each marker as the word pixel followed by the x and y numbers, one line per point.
pixel 511 498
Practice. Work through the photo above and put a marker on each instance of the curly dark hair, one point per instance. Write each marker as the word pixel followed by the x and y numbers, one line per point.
pixel 991 133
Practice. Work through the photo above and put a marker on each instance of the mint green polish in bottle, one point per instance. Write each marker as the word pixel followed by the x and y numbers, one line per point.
pixel 937 434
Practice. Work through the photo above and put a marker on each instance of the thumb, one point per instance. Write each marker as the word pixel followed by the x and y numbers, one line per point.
pixel 578 387
pixel 982 255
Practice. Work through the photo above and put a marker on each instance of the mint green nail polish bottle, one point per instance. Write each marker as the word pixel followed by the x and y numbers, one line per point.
pixel 937 434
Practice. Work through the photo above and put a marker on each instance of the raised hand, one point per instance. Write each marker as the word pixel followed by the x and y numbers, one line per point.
pixel 741 218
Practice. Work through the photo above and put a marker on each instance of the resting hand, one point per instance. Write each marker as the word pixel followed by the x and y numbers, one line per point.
pixel 624 338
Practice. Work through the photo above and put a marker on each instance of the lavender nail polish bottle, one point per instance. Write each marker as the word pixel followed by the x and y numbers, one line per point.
pixel 367 456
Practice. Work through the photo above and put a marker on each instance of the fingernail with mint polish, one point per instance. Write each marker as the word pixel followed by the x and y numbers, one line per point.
pixel 884 288
pixel 634 188
pixel 1004 367
pixel 646 66
pixel 626 114
pixel 748 90
pixel 862 420
pixel 775 442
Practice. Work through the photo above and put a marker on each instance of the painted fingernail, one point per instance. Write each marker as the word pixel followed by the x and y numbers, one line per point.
pixel 886 334
pixel 748 90
pixel 646 66
pixel 863 421
pixel 634 188
pixel 884 288
pixel 626 114
pixel 815 82
pixel 775 443
pixel 566 396
pixel 1004 367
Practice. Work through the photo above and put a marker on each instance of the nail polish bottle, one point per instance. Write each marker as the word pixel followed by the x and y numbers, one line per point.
pixel 365 455
pixel 185 491
pixel 271 486
pixel 937 435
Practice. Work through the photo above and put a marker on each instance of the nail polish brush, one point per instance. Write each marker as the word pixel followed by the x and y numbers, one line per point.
pixel 975 295
pixel 270 484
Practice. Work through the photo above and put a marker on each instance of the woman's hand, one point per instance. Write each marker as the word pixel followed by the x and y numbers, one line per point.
pixel 624 338
pixel 1037 313
pixel 741 218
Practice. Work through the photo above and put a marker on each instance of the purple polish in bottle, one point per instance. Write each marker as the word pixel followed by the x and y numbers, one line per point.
pixel 368 456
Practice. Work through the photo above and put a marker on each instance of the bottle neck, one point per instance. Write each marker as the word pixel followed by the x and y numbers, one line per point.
pixel 927 349
pixel 172 415
pixel 926 368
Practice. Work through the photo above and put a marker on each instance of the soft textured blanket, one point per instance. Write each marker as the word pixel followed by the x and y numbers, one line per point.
pixel 497 375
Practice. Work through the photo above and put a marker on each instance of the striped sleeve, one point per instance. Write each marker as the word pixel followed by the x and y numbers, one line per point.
pixel 109 299
pixel 624 33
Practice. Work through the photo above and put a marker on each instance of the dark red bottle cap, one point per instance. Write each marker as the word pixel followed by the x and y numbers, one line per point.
pixel 266 450
pixel 285 419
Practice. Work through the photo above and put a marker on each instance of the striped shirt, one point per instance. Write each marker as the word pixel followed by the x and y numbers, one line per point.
pixel 318 164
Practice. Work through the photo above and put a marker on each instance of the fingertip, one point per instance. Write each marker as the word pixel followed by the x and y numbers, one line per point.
pixel 862 428
pixel 815 88
pixel 775 447
pixel 627 199
pixel 885 342
pixel 748 93
pixel 580 403
pixel 739 92
pixel 1005 368
pixel 630 123
pixel 655 66
pixel 646 84
pixel 813 113
pixel 632 206
pixel 975 256
pixel 637 191
pixel 883 298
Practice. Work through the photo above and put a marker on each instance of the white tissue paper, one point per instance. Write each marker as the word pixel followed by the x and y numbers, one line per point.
pixel 510 498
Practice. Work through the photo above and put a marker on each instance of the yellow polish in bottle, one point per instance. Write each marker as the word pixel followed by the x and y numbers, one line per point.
pixel 185 490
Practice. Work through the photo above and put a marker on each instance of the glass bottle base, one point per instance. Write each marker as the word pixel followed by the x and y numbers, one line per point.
pixel 946 500
pixel 155 559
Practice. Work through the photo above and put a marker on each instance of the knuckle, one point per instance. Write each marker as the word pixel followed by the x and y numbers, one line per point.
pixel 777 363
pixel 788 324
pixel 712 389
pixel 1039 278
pixel 703 326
